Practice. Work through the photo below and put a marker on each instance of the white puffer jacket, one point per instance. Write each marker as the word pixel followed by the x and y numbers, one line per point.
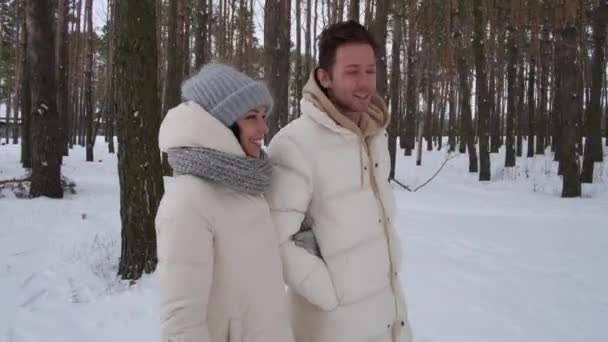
pixel 336 179
pixel 219 265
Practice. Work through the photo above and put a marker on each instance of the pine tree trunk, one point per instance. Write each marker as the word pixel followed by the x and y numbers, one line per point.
pixel 428 131
pixel 17 75
pixel 407 139
pixel 593 142
pixel 482 91
pixel 62 73
pixel 531 107
pixel 277 22
pixel 452 115
pixel 519 112
pixel 354 10
pixel 9 90
pixel 9 108
pixel 76 98
pixel 202 17
pixel 46 166
pixel 26 95
pixel 511 98
pixel 368 12
pixel 606 109
pixel 308 41
pixel 173 77
pixel 139 164
pixel 88 84
pixel 182 49
pixel 314 31
pixel 442 116
pixel 568 94
pixel 395 75
pixel 110 77
pixel 541 127
pixel 555 119
pixel 379 31
pixel 465 90
pixel 211 22
pixel 556 113
pixel 185 39
pixel 496 140
pixel 298 62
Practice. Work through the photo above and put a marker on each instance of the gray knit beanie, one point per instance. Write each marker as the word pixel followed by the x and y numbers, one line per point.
pixel 226 93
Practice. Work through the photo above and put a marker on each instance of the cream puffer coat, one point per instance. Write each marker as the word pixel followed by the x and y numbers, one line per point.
pixel 332 175
pixel 219 265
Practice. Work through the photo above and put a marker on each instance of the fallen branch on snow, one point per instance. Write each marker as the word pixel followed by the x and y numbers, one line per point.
pixel 15 180
pixel 406 187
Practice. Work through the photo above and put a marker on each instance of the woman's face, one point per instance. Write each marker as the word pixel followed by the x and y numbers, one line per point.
pixel 253 128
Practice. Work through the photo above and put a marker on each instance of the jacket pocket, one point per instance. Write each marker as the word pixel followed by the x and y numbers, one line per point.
pixel 235 330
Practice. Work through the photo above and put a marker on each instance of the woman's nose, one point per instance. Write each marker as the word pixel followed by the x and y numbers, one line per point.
pixel 264 127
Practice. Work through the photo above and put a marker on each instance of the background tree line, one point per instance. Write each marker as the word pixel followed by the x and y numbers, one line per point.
pixel 471 76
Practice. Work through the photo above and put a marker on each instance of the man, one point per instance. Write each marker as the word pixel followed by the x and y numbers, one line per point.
pixel 330 187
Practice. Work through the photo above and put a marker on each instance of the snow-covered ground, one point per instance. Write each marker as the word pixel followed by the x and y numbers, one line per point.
pixel 506 260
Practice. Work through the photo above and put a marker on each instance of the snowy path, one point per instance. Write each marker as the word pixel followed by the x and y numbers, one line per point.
pixel 503 261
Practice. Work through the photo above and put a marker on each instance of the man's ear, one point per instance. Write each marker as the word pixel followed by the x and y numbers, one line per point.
pixel 324 78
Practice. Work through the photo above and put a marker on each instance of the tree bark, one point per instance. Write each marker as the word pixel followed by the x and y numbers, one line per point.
pixel 46 166
pixel 277 22
pixel 8 109
pixel 88 84
pixel 202 39
pixel 139 164
pixel 407 139
pixel 173 77
pixel 314 31
pixel 18 82
pixel 354 10
pixel 541 127
pixel 298 61
pixel 379 31
pixel 519 112
pixel 430 98
pixel 593 142
pixel 110 75
pixel 531 107
pixel 568 94
pixel 452 115
pixel 395 75
pixel 26 95
pixel 308 41
pixel 482 91
pixel 63 85
pixel 511 97
pixel 465 90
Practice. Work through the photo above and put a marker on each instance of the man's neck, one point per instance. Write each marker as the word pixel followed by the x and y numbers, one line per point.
pixel 354 116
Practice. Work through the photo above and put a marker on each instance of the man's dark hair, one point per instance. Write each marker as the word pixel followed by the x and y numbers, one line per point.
pixel 336 35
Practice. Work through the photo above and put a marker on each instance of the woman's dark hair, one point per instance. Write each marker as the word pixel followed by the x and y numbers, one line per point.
pixel 236 130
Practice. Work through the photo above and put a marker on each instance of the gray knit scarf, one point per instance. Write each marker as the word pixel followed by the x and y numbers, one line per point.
pixel 243 174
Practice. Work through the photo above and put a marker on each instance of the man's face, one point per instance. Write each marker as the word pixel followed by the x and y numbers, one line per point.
pixel 351 82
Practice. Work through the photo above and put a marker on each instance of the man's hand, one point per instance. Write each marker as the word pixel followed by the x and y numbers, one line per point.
pixel 305 238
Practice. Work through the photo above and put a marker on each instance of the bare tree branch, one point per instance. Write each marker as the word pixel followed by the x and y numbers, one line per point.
pixel 406 187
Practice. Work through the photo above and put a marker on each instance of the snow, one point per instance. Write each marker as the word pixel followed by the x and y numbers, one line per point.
pixel 505 260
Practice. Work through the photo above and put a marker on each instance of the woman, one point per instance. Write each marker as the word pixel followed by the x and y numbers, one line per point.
pixel 218 259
